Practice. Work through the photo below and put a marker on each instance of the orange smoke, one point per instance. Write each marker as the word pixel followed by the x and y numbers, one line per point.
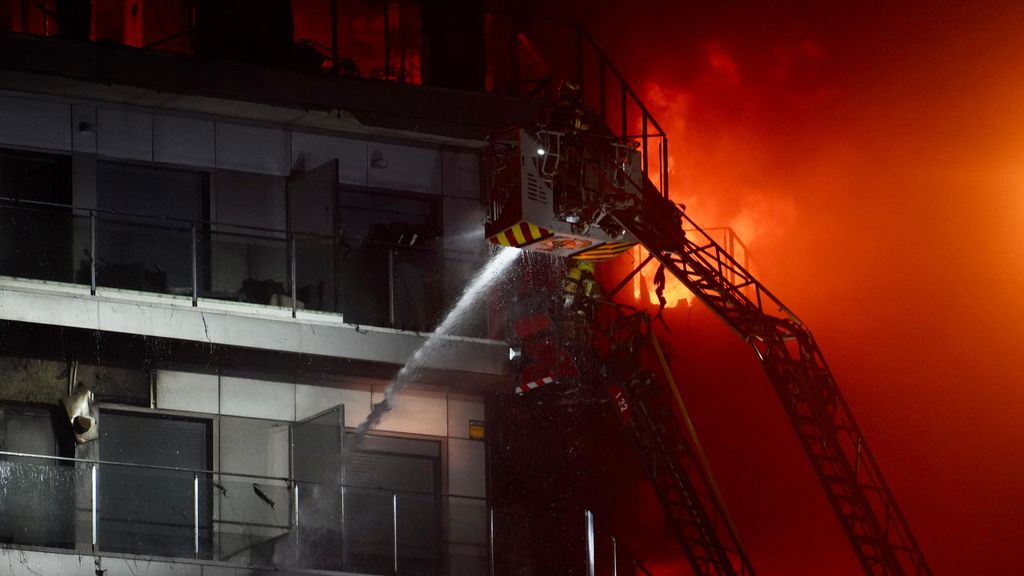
pixel 717 172
pixel 870 154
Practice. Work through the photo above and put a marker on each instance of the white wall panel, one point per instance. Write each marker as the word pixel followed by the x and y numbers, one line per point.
pixel 124 134
pixel 83 128
pixel 187 391
pixel 405 168
pixel 183 141
pixel 310 400
pixel 35 123
pixel 317 149
pixel 257 447
pixel 461 174
pixel 416 410
pixel 461 409
pixel 257 398
pixel 252 149
pixel 357 401
pixel 467 465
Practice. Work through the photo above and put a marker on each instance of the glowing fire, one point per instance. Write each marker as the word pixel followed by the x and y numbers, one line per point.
pixel 716 156
pixel 643 283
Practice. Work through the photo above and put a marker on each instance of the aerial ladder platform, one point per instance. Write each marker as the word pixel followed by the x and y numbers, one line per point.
pixel 569 189
pixel 591 348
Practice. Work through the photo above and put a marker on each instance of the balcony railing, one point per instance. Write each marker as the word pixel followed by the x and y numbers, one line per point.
pixel 368 283
pixel 262 521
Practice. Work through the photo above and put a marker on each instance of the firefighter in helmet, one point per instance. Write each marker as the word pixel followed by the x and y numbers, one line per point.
pixel 580 292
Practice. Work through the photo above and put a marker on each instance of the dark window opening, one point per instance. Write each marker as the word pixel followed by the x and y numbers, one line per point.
pixel 133 250
pixel 35 240
pixel 38 499
pixel 388 218
pixel 126 385
pixel 391 273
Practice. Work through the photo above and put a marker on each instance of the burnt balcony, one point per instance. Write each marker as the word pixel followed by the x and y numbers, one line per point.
pixel 453 69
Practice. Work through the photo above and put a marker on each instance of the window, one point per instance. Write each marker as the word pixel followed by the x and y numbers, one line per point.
pixel 151 190
pixel 391 271
pixel 35 240
pixel 350 505
pixel 387 478
pixel 150 511
pixel 152 253
pixel 386 217
pixel 37 506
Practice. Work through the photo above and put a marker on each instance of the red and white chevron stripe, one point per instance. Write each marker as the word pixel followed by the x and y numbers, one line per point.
pixel 533 385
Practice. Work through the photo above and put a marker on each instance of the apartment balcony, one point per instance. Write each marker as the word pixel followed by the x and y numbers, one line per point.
pixel 236 286
pixel 172 515
pixel 73 516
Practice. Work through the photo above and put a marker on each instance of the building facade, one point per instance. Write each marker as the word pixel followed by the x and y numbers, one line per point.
pixel 223 232
pixel 235 266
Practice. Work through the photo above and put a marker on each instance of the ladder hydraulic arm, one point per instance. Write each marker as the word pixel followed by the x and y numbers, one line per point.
pixel 846 468
pixel 587 344
pixel 675 462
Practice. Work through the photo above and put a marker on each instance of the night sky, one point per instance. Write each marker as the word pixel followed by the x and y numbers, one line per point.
pixel 872 154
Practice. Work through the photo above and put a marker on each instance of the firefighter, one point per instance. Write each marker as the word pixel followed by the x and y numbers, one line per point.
pixel 568 112
pixel 580 282
pixel 579 294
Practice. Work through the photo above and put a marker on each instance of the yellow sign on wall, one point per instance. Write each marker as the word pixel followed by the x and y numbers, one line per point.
pixel 476 430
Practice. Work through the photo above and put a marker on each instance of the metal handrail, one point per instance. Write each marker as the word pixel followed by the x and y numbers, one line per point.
pixel 97 462
pixel 200 514
pixel 212 226
pixel 626 95
pixel 199 233
pixel 20 202
pixel 6 453
pixel 94 465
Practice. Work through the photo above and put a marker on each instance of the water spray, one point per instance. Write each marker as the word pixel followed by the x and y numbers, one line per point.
pixel 459 313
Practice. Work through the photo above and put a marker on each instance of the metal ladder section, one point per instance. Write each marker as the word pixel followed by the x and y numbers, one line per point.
pixel 846 468
pixel 675 463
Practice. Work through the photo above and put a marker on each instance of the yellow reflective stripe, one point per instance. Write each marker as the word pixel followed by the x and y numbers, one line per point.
pixel 518 233
pixel 605 251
